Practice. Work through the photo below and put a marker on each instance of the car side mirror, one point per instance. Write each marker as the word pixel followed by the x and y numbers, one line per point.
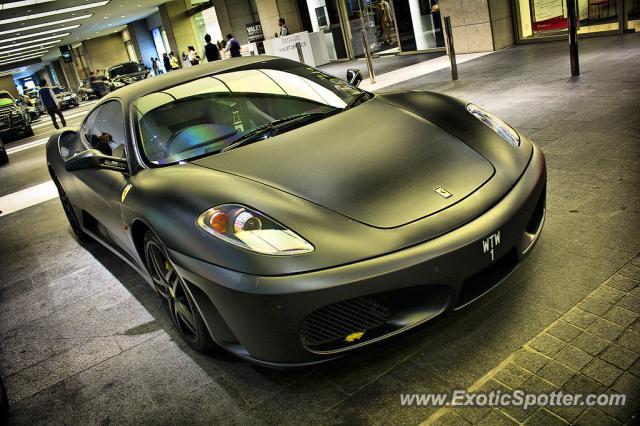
pixel 354 77
pixel 92 159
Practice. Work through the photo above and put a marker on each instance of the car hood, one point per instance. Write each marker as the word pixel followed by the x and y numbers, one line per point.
pixel 384 175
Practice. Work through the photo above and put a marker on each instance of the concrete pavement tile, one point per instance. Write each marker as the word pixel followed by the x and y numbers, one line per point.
pixel 309 399
pixel 543 417
pixel 631 303
pixel 621 316
pixel 35 378
pixel 590 343
pixel 602 372
pixel 631 271
pixel 594 305
pixel 451 418
pixel 622 283
pixel 629 385
pixel 496 417
pixel 556 373
pixel 595 417
pixel 573 357
pixel 619 356
pixel 530 360
pixel 605 329
pixel 622 413
pixel 564 331
pixel 547 344
pixel 610 294
pixel 630 340
pixel 512 375
pixel 579 318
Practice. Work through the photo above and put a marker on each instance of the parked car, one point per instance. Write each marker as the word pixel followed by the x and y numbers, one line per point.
pixel 291 217
pixel 66 98
pixel 34 99
pixel 99 86
pixel 4 157
pixel 14 118
pixel 31 106
pixel 126 73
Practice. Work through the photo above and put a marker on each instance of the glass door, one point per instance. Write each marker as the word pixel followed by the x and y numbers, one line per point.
pixel 419 24
pixel 373 20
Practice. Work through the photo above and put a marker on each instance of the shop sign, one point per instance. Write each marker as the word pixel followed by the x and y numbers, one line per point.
pixel 254 31
pixel 548 15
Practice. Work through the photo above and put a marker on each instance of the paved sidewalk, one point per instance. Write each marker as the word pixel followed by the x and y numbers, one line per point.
pixel 85 341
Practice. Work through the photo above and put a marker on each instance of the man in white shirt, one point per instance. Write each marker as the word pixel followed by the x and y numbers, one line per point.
pixel 284 31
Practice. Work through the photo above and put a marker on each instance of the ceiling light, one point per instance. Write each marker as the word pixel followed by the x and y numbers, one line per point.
pixel 13 55
pixel 22 3
pixel 12 45
pixel 45 24
pixel 24 58
pixel 54 12
pixel 55 30
pixel 30 47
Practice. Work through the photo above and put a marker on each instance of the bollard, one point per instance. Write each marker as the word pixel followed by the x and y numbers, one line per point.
pixel 367 55
pixel 450 48
pixel 299 49
pixel 573 38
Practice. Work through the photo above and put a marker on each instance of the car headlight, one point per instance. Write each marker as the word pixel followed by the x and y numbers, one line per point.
pixel 500 127
pixel 247 228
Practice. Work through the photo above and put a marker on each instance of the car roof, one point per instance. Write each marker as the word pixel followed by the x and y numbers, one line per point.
pixel 129 93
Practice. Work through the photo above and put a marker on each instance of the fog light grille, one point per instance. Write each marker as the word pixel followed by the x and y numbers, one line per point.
pixel 342 320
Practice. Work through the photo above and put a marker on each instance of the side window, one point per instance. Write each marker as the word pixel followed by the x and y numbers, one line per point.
pixel 105 130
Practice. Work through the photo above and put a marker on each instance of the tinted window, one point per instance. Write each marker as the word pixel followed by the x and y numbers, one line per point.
pixel 104 129
pixel 204 116
pixel 122 69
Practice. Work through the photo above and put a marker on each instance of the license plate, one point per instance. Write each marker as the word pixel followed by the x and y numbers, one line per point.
pixel 490 243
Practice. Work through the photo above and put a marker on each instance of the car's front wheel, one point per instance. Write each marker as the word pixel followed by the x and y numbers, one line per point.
pixel 70 213
pixel 28 131
pixel 174 291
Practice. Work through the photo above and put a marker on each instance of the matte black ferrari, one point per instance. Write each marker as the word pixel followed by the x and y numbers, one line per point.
pixel 290 217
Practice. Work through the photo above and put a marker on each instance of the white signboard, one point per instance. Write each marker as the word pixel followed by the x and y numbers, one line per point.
pixel 285 47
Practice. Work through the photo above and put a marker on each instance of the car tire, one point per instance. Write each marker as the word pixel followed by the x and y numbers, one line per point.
pixel 28 131
pixel 4 157
pixel 70 213
pixel 174 291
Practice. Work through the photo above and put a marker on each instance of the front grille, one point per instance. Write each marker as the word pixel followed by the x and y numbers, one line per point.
pixel 337 321
pixel 4 121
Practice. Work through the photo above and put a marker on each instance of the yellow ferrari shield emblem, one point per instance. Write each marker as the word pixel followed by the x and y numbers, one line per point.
pixel 354 336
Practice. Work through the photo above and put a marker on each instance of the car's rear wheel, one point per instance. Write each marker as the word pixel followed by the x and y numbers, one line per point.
pixel 4 157
pixel 70 213
pixel 175 293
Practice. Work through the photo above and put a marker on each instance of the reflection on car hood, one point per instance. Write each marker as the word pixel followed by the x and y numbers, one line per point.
pixel 376 163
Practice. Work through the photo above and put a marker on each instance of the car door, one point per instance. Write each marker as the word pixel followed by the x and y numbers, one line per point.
pixel 101 189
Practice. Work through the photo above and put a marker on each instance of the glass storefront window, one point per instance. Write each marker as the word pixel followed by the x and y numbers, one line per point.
pixel 206 22
pixel 376 19
pixel 419 24
pixel 325 17
pixel 541 18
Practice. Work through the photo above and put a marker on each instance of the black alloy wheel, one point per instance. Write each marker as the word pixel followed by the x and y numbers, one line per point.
pixel 70 213
pixel 173 290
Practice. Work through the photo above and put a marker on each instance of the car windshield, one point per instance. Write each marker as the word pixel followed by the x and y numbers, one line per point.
pixel 212 113
pixel 57 90
pixel 123 69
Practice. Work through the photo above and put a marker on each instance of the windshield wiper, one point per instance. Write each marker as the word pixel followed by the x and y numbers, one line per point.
pixel 356 99
pixel 267 130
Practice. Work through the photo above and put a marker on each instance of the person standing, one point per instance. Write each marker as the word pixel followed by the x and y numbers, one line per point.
pixel 193 56
pixel 50 102
pixel 284 31
pixel 167 62
pixel 173 61
pixel 154 65
pixel 211 51
pixel 233 46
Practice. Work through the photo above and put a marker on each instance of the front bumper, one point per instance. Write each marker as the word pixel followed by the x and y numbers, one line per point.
pixel 282 320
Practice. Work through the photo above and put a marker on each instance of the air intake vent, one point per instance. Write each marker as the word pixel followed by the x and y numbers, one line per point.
pixel 339 321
